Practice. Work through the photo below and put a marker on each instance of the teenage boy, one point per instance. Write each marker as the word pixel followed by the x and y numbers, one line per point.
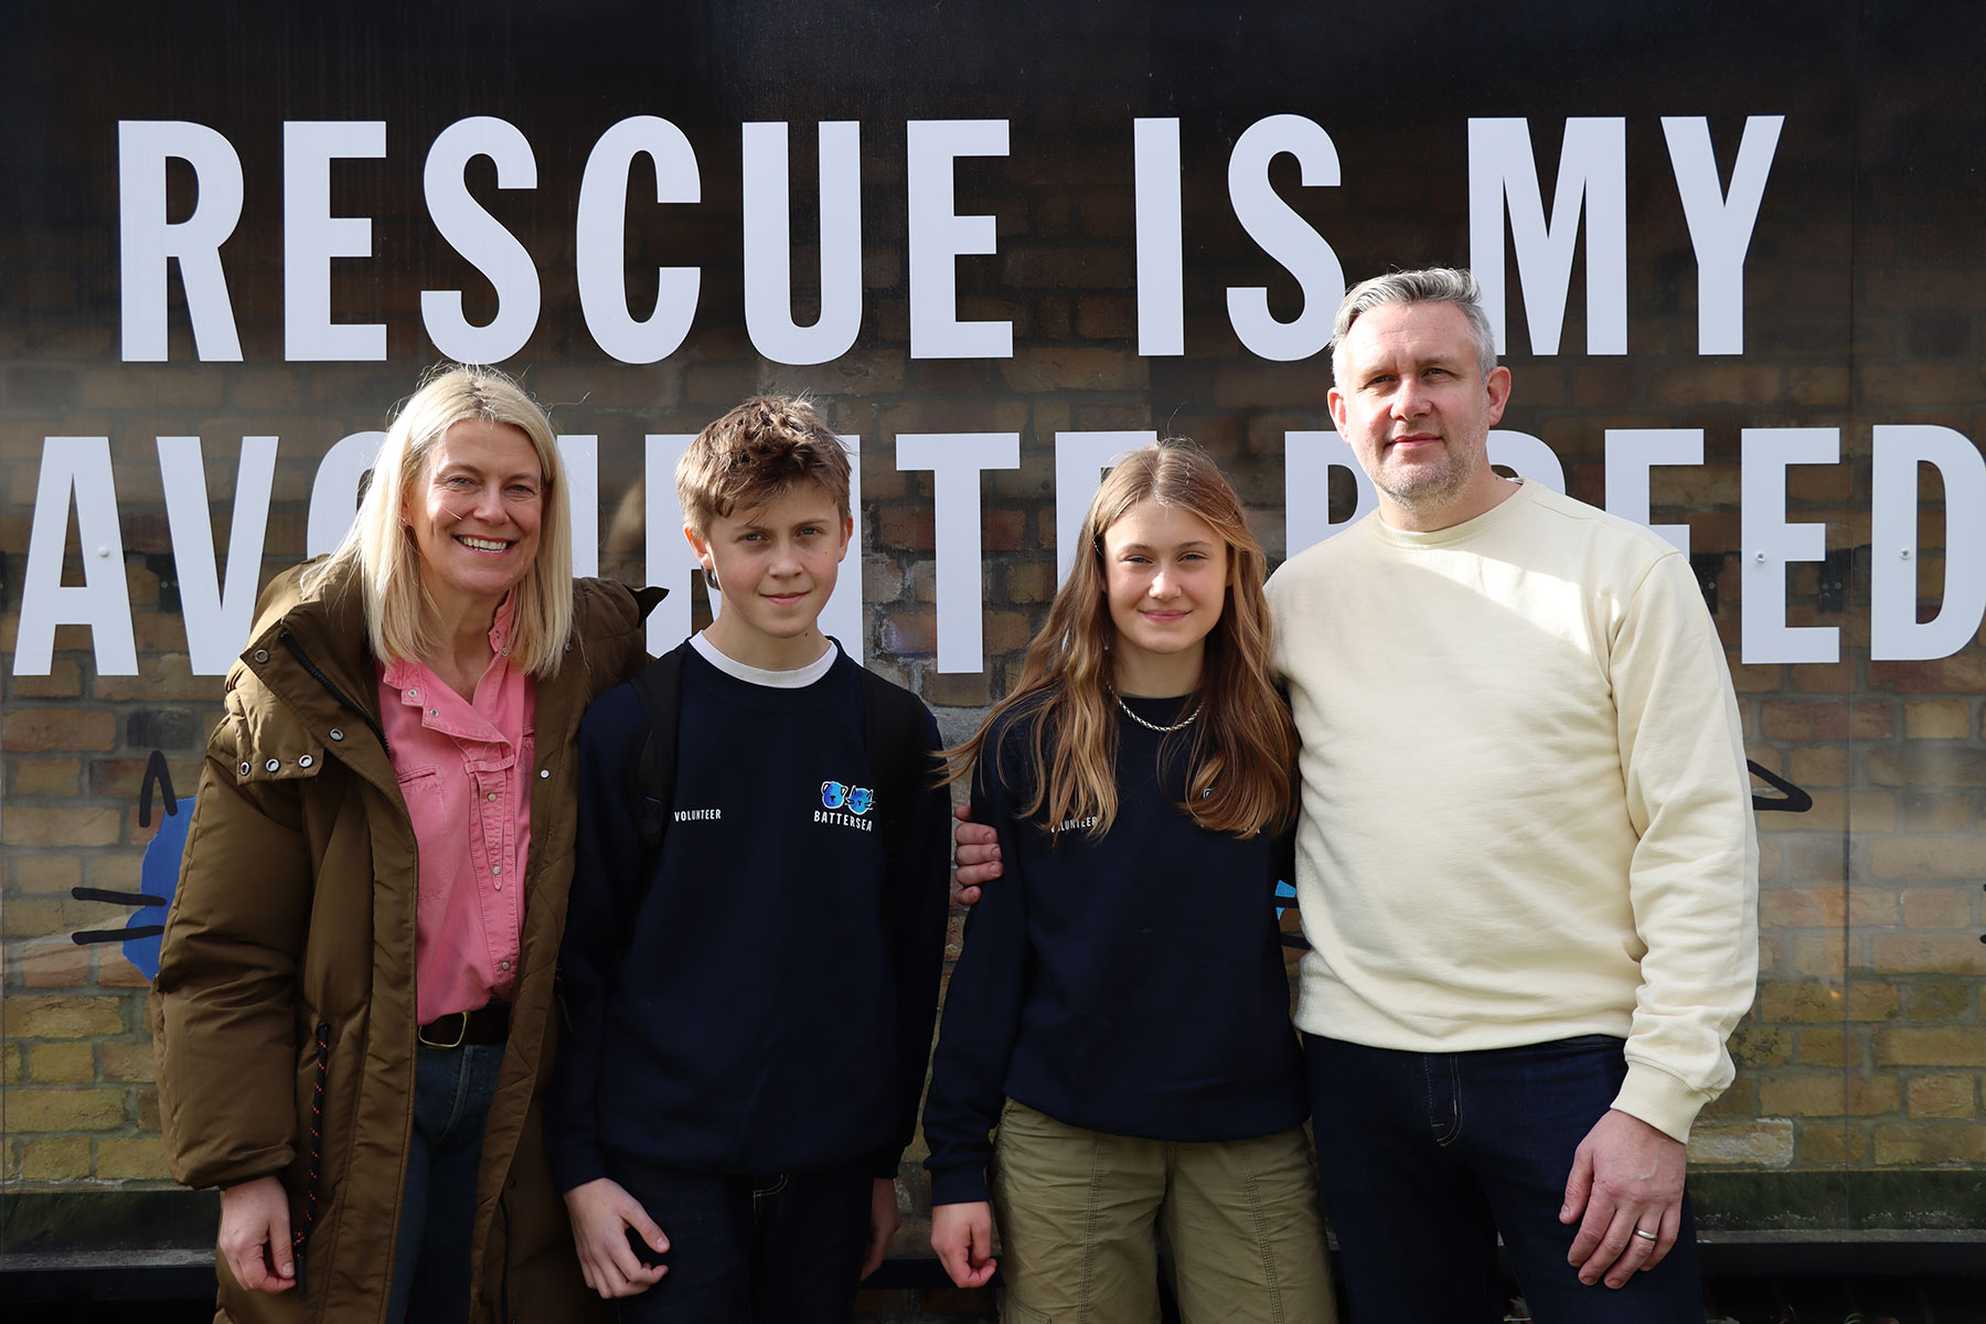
pixel 756 925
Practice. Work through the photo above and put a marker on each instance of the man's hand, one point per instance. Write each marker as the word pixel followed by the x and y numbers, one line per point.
pixel 962 1234
pixel 255 1235
pixel 1626 1175
pixel 884 1219
pixel 975 857
pixel 601 1213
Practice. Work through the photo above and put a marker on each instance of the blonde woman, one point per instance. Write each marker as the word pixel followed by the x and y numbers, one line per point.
pixel 355 1001
pixel 1120 1010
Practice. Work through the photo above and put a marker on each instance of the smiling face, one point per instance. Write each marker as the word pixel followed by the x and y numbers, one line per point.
pixel 1165 576
pixel 474 512
pixel 776 567
pixel 1414 405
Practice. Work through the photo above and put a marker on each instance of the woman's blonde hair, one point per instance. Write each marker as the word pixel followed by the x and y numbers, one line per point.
pixel 1243 746
pixel 379 550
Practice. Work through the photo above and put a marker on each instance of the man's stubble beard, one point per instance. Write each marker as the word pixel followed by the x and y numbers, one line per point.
pixel 1429 490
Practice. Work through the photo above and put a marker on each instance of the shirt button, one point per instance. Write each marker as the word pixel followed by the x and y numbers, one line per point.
pixel 503 965
pixel 413 694
pixel 490 796
pixel 434 712
pixel 496 868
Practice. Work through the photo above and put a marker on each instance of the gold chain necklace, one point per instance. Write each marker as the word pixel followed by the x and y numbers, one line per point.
pixel 1154 726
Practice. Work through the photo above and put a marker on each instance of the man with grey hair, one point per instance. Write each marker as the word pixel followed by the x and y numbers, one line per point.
pixel 1526 861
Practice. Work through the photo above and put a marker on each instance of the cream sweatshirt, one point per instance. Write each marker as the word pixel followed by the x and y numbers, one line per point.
pixel 1526 813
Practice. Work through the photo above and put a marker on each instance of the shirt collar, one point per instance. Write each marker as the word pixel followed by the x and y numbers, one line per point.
pixel 403 672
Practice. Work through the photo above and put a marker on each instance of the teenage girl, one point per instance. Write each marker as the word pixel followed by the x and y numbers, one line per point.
pixel 1120 1010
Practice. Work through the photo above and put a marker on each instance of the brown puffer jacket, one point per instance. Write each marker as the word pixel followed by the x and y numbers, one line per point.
pixel 284 1011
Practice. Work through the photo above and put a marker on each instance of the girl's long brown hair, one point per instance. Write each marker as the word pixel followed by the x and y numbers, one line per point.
pixel 1244 743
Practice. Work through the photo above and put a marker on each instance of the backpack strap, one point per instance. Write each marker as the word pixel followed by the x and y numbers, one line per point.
pixel 652 774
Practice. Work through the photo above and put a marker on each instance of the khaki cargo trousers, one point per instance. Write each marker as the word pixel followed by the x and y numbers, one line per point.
pixel 1081 1212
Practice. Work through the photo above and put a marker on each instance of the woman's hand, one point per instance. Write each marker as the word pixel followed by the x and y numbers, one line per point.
pixel 255 1235
pixel 962 1234
pixel 883 1222
pixel 601 1213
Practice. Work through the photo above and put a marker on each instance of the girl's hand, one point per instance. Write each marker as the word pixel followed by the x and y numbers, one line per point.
pixel 962 1234
pixel 255 1235
pixel 975 857
pixel 601 1213
pixel 883 1222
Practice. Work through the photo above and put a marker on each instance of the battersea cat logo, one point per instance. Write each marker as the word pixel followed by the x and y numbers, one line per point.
pixel 846 805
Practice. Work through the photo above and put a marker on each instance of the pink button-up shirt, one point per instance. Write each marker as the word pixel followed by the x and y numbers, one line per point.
pixel 465 772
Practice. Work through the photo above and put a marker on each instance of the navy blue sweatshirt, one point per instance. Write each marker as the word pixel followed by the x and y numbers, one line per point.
pixel 761 999
pixel 1132 985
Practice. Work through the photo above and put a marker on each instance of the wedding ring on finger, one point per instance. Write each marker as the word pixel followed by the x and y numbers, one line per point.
pixel 1645 1235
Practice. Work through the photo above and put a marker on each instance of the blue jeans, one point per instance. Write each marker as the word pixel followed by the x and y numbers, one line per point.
pixel 452 1092
pixel 780 1248
pixel 1424 1158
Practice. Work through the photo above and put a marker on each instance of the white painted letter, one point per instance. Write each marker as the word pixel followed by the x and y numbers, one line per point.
pixel 768 245
pixel 217 620
pixel 1080 459
pixel 1720 226
pixel 1631 453
pixel 1894 633
pixel 334 496
pixel 1592 168
pixel 582 475
pixel 938 238
pixel 1528 457
pixel 481 238
pixel 147 241
pixel 955 460
pixel 603 208
pixel 312 236
pixel 1308 459
pixel 1770 542
pixel 79 465
pixel 1161 243
pixel 1284 236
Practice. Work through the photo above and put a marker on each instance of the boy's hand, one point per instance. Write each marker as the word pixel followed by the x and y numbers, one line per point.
pixel 601 1213
pixel 962 1234
pixel 883 1222
pixel 975 857
pixel 255 1235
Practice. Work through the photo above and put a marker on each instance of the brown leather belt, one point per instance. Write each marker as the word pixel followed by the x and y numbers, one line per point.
pixel 488 1024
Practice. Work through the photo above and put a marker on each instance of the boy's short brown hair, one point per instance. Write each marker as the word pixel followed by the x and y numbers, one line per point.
pixel 754 453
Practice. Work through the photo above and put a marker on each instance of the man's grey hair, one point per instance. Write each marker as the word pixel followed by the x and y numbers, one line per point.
pixel 1428 285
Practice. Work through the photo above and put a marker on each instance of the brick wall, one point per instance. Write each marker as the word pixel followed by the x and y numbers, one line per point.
pixel 1867 1047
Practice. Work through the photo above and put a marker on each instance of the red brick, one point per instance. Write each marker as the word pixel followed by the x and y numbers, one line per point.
pixel 1961 673
pixel 1075 368
pixel 1929 857
pixel 1826 719
pixel 82 825
pixel 34 730
pixel 1942 1046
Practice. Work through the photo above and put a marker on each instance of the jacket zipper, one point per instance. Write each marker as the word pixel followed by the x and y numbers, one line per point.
pixel 303 660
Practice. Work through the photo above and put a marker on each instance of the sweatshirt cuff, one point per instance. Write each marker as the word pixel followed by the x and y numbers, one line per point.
pixel 574 1164
pixel 965 1185
pixel 1661 1100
